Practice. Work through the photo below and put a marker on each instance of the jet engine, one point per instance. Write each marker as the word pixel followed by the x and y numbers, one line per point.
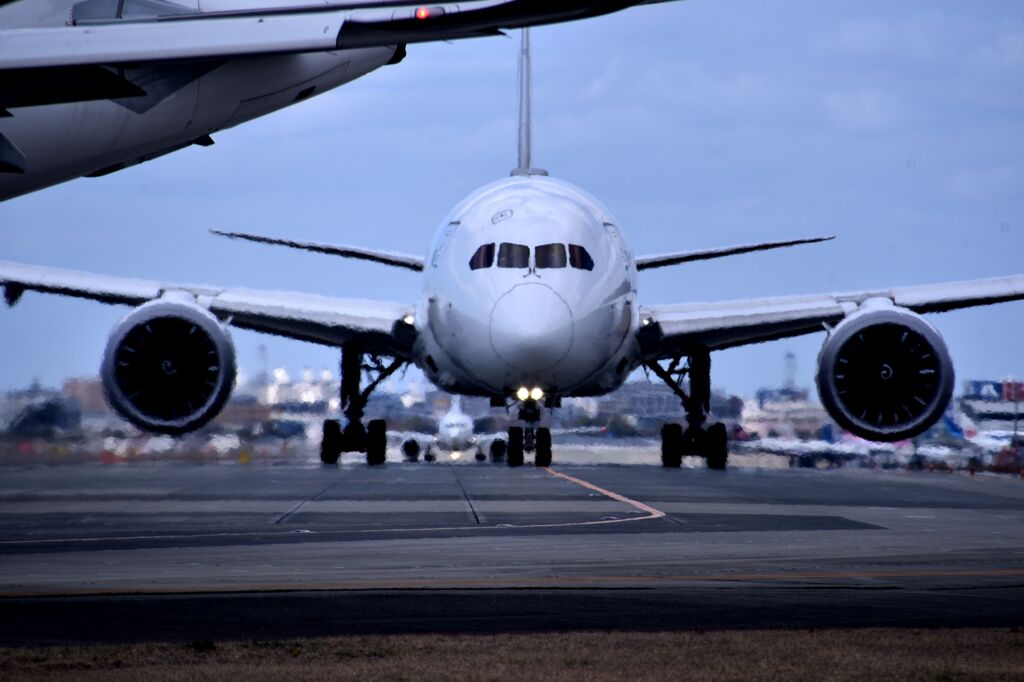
pixel 169 366
pixel 884 373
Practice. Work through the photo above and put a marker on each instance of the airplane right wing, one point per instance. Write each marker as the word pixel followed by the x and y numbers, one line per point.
pixel 376 325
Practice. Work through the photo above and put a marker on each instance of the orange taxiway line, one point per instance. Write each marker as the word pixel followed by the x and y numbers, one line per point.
pixel 653 513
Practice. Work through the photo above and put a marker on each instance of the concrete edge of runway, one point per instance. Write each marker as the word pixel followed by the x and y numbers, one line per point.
pixel 323 613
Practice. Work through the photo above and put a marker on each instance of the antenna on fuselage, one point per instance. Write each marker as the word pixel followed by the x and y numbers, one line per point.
pixel 525 111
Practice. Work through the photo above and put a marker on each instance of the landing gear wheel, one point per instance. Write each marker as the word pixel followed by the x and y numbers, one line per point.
pixel 497 450
pixel 480 456
pixel 330 444
pixel 429 457
pixel 717 447
pixel 376 442
pixel 671 446
pixel 515 446
pixel 411 450
pixel 543 456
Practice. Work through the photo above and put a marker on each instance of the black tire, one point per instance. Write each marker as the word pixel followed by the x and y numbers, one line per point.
pixel 543 456
pixel 411 450
pixel 429 457
pixel 671 446
pixel 497 450
pixel 514 457
pixel 480 456
pixel 717 446
pixel 376 442
pixel 330 443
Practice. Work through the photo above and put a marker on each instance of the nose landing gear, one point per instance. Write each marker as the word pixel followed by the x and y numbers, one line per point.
pixel 711 443
pixel 531 438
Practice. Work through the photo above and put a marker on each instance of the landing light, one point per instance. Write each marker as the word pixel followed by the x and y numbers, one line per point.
pixel 409 320
pixel 523 393
pixel 537 394
pixel 456 455
pixel 422 13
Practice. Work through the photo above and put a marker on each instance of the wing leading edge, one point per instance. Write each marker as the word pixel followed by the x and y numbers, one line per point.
pixel 727 324
pixel 323 320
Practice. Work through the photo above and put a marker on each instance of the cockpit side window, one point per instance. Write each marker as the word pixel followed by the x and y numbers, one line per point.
pixel 549 256
pixel 513 256
pixel 579 258
pixel 483 258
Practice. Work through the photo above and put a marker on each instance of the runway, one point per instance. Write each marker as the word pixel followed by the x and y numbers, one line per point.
pixel 179 552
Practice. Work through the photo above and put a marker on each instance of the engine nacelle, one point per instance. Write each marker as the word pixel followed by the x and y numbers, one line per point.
pixel 169 366
pixel 884 373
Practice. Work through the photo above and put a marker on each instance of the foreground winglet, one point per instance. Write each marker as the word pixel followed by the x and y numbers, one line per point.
pixel 648 262
pixel 397 260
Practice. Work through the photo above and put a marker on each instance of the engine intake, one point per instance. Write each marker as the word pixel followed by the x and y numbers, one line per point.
pixel 169 366
pixel 885 374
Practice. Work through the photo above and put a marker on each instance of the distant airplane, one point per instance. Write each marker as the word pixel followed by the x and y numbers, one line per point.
pixel 454 435
pixel 529 296
pixel 89 87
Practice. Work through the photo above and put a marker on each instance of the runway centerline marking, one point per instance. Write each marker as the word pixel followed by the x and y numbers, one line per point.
pixel 651 513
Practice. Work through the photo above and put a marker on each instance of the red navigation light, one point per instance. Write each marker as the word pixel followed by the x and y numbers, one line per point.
pixel 422 12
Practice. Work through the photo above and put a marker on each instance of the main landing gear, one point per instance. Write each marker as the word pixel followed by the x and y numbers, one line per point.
pixel 529 438
pixel 711 443
pixel 371 439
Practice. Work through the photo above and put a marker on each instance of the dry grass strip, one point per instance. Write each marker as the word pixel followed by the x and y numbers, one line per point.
pixel 869 655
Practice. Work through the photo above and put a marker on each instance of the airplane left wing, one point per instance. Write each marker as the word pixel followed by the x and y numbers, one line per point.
pixel 324 320
pixel 716 326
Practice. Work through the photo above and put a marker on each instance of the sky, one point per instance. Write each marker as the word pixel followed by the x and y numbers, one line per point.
pixel 897 127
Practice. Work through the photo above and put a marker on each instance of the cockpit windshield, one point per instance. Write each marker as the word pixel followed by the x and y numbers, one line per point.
pixel 579 258
pixel 483 258
pixel 550 256
pixel 513 256
pixel 545 257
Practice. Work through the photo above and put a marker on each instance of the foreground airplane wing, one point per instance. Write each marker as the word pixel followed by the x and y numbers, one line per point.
pixel 69 63
pixel 673 328
pixel 317 319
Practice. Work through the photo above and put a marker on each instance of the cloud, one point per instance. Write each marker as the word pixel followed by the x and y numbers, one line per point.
pixel 864 110
pixel 978 184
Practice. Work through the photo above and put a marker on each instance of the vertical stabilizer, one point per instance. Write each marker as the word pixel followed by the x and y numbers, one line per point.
pixel 525 166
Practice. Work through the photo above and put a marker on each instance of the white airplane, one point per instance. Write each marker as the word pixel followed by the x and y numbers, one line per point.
pixel 529 295
pixel 88 87
pixel 454 435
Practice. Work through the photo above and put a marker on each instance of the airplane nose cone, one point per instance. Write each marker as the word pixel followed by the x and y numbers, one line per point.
pixel 531 328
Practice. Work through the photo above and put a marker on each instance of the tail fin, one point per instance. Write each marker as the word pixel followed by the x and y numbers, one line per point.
pixel 525 166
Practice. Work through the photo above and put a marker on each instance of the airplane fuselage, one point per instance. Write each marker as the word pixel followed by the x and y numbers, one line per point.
pixel 528 284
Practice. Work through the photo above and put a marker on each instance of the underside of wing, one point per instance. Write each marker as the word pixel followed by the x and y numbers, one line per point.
pixel 376 325
pixel 716 326
pixel 108 36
